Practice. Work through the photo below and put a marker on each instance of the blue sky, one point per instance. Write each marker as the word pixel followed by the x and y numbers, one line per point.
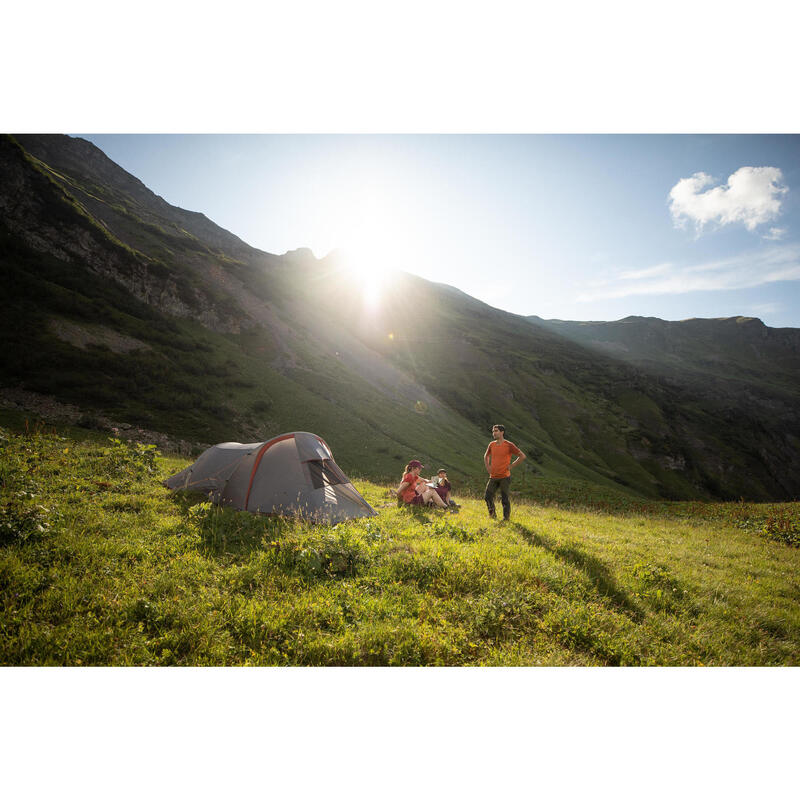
pixel 563 226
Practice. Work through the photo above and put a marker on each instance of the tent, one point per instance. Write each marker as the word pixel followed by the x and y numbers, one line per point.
pixel 291 475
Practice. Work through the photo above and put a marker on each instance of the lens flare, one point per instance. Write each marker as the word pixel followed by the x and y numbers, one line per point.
pixel 370 271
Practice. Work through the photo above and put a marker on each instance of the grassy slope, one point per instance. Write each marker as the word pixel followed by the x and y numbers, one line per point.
pixel 124 572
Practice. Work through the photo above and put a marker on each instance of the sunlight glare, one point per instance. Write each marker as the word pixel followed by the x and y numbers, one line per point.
pixel 371 279
pixel 374 235
pixel 370 269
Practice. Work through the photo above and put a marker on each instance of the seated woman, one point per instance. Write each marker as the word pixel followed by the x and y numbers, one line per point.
pixel 415 491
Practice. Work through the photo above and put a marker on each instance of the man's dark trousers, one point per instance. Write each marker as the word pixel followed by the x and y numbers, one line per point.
pixel 491 490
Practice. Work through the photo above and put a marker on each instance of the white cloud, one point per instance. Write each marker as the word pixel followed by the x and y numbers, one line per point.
pixel 776 263
pixel 752 196
pixel 775 234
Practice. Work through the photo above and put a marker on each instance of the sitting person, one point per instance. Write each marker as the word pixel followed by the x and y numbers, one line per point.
pixel 443 487
pixel 415 490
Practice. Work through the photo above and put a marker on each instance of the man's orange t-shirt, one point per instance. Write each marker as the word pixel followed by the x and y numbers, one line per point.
pixel 409 491
pixel 501 453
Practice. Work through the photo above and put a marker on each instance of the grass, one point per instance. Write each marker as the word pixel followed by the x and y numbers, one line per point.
pixel 101 565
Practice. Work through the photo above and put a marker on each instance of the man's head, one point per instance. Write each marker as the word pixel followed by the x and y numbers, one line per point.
pixel 498 431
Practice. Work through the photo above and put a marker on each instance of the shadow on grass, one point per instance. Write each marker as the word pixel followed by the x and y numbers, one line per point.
pixel 592 567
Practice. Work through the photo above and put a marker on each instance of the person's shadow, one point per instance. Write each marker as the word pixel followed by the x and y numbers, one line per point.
pixel 594 569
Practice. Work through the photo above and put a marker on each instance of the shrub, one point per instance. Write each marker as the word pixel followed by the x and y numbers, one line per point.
pixel 446 527
pixel 130 459
pixel 332 555
pixel 503 615
pixel 21 518
pixel 782 527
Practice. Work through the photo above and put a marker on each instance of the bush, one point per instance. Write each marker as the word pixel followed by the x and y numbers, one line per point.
pixel 328 555
pixel 782 527
pixel 497 616
pixel 130 459
pixel 22 518
pixel 446 527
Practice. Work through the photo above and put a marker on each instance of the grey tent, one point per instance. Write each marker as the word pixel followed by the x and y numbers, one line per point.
pixel 292 475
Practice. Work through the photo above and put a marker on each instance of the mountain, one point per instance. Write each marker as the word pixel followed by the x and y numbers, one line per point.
pixel 732 349
pixel 135 310
pixel 744 373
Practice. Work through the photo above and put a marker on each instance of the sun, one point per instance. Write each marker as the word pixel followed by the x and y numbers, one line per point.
pixel 368 274
pixel 371 267
pixel 373 236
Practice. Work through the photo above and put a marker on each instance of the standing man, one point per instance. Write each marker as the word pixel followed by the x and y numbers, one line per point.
pixel 498 464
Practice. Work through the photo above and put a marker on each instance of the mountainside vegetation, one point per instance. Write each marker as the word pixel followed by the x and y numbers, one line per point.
pixel 102 565
pixel 140 312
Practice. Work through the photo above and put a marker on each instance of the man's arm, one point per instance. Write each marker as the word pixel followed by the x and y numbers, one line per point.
pixel 519 459
pixel 487 457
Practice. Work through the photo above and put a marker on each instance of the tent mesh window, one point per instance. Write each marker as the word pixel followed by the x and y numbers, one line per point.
pixel 326 473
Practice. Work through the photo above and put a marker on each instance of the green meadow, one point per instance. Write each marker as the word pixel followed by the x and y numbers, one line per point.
pixel 101 565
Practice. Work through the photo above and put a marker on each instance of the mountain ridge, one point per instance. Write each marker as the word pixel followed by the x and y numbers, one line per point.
pixel 240 342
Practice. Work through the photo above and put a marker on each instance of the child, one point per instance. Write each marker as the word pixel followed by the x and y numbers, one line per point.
pixel 443 486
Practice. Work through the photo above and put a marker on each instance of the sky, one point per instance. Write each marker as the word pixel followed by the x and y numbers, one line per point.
pixel 582 227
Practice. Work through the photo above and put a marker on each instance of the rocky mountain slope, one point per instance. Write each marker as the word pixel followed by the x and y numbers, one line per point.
pixel 126 306
pixel 744 373
pixel 734 348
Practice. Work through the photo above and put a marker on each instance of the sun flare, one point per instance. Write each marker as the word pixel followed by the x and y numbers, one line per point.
pixel 371 272
pixel 374 235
